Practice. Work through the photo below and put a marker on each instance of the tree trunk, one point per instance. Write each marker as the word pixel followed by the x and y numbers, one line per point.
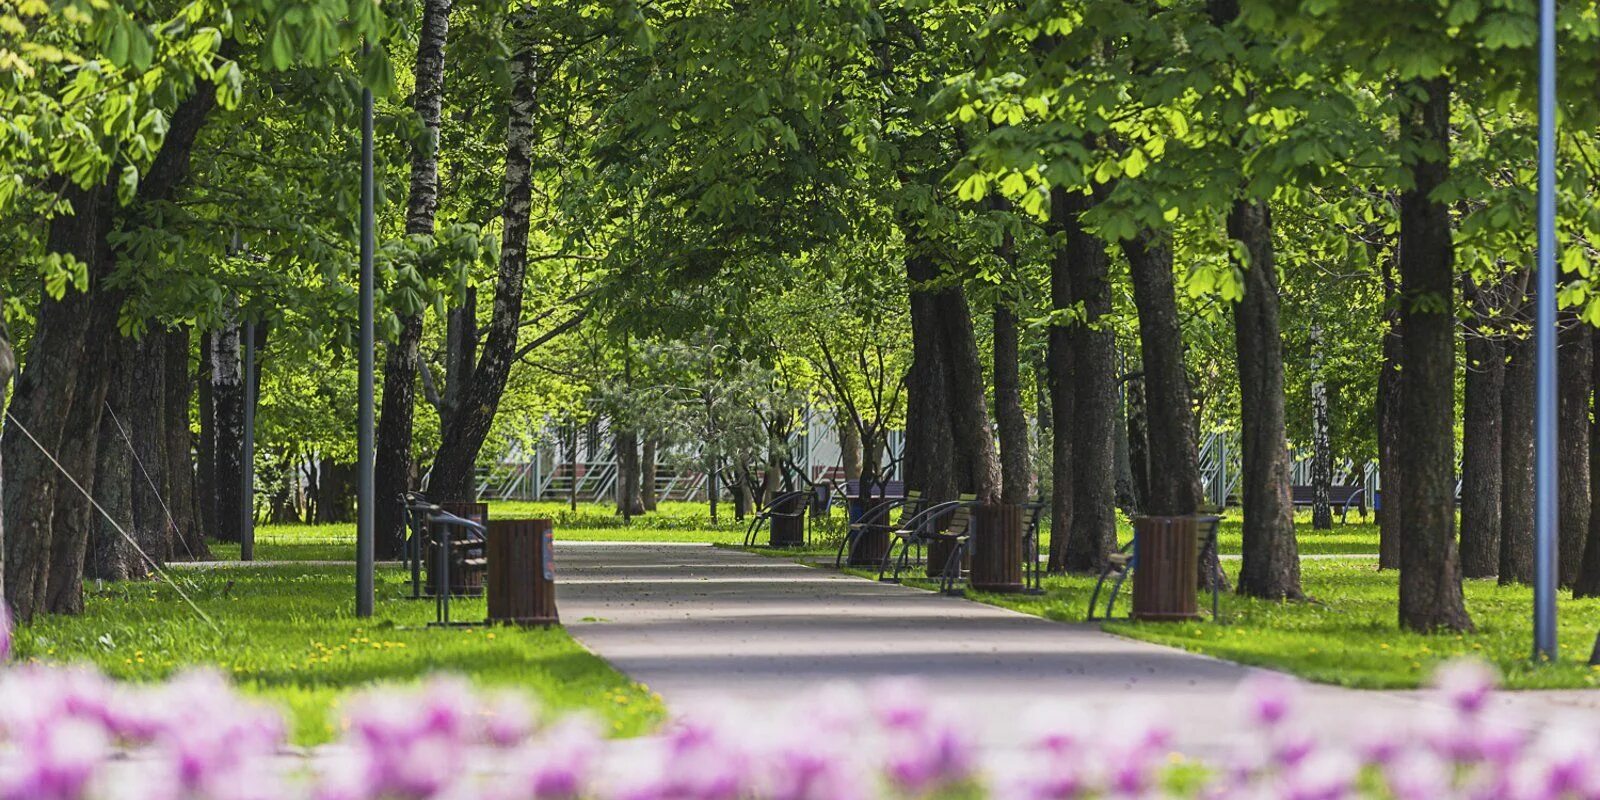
pixel 1093 532
pixel 469 425
pixel 629 503
pixel 1430 568
pixel 141 423
pixel 1063 389
pixel 1390 528
pixel 205 482
pixel 392 464
pixel 1516 463
pixel 1321 443
pixel 335 492
pixel 44 401
pixel 227 403
pixel 189 538
pixel 106 357
pixel 1016 473
pixel 108 554
pixel 647 477
pixel 1138 428
pixel 1481 445
pixel 849 445
pixel 1572 446
pixel 1271 561
pixel 1588 583
pixel 930 444
pixel 1175 488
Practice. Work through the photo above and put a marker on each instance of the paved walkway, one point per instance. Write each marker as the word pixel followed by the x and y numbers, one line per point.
pixel 703 625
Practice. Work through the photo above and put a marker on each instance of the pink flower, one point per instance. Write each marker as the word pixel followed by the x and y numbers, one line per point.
pixel 1466 684
pixel 1268 698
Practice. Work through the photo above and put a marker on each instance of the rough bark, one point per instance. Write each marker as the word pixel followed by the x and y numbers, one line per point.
pixel 1516 464
pixel 336 491
pixel 1063 394
pixel 649 495
pixel 142 432
pixel 1016 471
pixel 44 401
pixel 227 404
pixel 1480 444
pixel 930 444
pixel 1430 567
pixel 1588 583
pixel 108 554
pixel 849 445
pixel 205 479
pixel 189 538
pixel 74 517
pixel 1270 566
pixel 629 501
pixel 458 451
pixel 1093 532
pixel 392 451
pixel 1390 526
pixel 1138 428
pixel 8 368
pixel 1174 485
pixel 1572 446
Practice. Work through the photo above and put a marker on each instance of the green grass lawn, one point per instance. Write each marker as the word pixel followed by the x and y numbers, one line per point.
pixel 288 634
pixel 1347 633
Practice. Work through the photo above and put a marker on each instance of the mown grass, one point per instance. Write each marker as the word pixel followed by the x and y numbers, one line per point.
pixel 1347 633
pixel 288 634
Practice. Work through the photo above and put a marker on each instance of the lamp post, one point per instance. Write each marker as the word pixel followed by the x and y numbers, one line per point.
pixel 364 433
pixel 1545 520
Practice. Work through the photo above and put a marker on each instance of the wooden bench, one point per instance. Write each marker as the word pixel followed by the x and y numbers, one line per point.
pixel 1340 498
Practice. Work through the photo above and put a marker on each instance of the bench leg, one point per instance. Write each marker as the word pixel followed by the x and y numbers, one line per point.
pixel 849 538
pixel 1116 588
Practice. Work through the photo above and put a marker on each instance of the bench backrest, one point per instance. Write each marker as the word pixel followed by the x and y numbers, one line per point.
pixel 1338 494
pixel 961 518
pixel 892 490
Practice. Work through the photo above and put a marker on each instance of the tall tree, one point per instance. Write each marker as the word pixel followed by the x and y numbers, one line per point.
pixel 393 448
pixel 1572 445
pixel 1481 445
pixel 469 425
pixel 1430 567
pixel 1092 535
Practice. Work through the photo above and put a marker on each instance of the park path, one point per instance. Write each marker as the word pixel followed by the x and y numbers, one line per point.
pixel 703 625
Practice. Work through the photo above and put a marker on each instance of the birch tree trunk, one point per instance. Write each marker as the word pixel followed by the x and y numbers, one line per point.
pixel 227 425
pixel 480 398
pixel 1321 445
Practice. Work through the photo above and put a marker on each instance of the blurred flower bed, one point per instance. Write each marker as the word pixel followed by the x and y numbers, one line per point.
pixel 72 733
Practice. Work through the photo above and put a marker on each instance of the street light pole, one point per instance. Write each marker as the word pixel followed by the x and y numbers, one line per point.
pixel 364 434
pixel 1545 415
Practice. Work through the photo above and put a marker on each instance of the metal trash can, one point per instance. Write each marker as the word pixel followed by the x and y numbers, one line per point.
pixel 1166 569
pixel 522 577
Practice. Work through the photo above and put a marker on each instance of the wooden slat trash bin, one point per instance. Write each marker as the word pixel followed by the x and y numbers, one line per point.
pixel 466 554
pixel 997 548
pixel 522 579
pixel 1166 571
pixel 872 543
pixel 789 522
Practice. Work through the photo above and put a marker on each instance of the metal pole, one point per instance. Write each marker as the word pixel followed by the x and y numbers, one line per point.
pixel 364 435
pixel 1545 525
pixel 247 517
